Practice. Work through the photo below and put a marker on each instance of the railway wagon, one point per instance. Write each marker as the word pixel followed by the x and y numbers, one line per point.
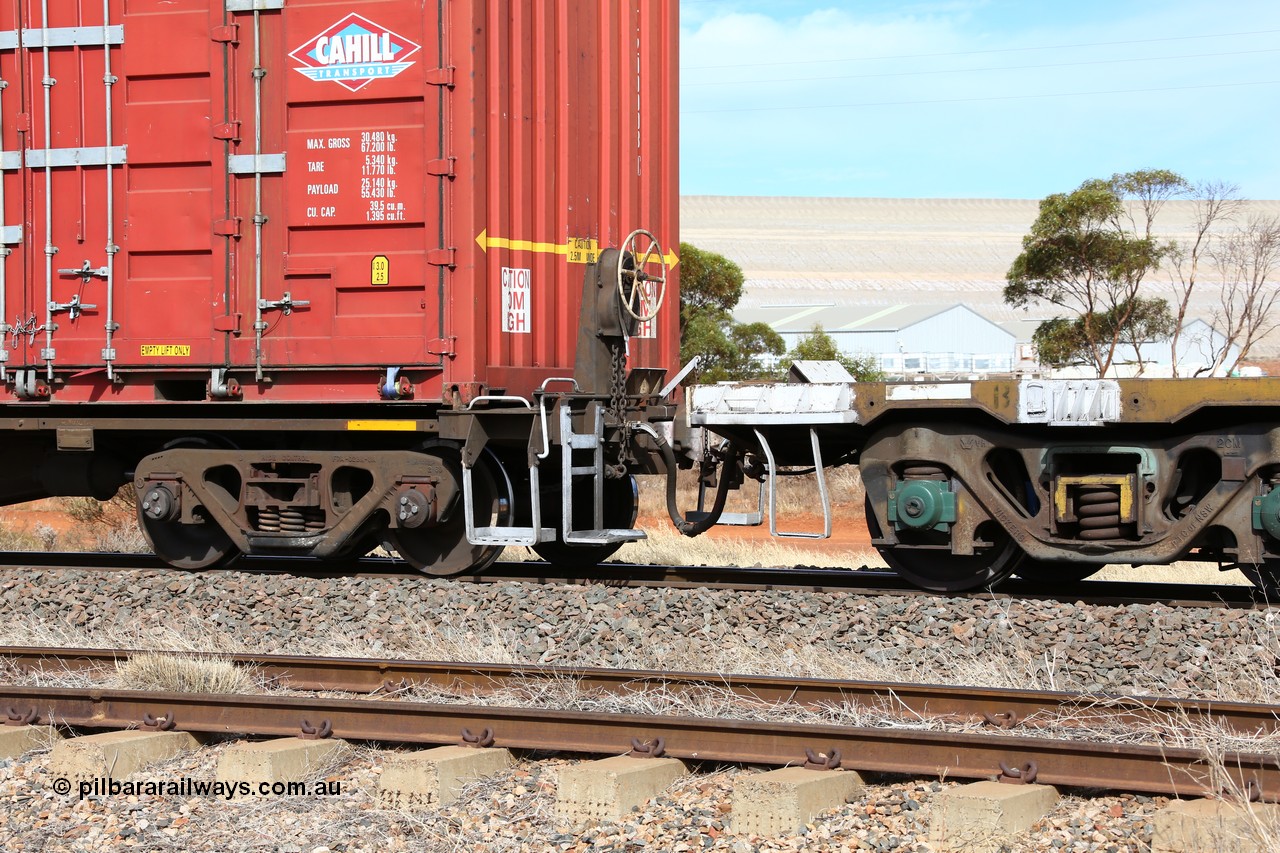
pixel 969 482
pixel 313 276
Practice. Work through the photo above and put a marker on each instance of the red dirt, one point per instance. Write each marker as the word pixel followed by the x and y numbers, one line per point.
pixel 849 530
pixel 25 517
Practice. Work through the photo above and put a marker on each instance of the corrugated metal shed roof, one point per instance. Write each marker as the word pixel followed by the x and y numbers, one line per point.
pixel 802 317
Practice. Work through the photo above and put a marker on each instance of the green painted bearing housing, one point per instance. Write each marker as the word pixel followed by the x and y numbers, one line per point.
pixel 1266 513
pixel 922 505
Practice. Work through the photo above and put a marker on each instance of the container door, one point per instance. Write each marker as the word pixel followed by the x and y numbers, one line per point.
pixel 16 316
pixel 171 290
pixel 339 181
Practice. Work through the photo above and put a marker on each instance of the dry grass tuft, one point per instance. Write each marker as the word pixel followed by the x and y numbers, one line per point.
pixel 18 540
pixel 158 671
pixel 796 495
pixel 665 546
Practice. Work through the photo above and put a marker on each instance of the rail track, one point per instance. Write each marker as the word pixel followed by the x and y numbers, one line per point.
pixel 1073 761
pixel 999 707
pixel 798 578
pixel 901 751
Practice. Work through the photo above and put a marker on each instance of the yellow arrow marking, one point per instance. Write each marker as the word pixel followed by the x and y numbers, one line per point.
pixel 579 250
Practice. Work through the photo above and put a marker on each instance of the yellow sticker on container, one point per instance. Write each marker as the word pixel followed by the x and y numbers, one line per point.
pixel 384 426
pixel 380 272
pixel 166 350
pixel 582 250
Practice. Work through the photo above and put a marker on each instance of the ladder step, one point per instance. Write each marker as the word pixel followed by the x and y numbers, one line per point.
pixel 607 536
pixel 584 471
pixel 735 519
pixel 511 535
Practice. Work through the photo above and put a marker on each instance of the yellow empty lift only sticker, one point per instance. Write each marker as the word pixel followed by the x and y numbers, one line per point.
pixel 166 350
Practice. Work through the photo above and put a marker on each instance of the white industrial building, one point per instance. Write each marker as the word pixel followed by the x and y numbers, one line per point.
pixel 940 339
pixel 948 340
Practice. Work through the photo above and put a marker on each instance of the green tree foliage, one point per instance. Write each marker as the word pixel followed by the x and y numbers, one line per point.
pixel 819 346
pixel 710 287
pixel 1088 252
pixel 708 283
pixel 1063 341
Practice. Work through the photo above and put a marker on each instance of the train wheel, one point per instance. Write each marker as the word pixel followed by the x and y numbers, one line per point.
pixel 939 571
pixel 1055 570
pixel 187 546
pixel 620 507
pixel 441 549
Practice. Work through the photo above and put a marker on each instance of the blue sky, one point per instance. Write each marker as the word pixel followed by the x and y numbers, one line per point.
pixel 975 98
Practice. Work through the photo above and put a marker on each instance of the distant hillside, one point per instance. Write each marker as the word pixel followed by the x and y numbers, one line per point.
pixel 878 251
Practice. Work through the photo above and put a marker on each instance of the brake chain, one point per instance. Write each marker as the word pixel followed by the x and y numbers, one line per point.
pixel 618 381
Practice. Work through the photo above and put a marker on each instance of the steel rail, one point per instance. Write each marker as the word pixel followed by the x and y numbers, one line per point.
pixel 1176 771
pixel 870 582
pixel 1002 707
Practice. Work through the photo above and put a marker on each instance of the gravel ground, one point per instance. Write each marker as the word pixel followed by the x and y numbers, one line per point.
pixel 1214 653
pixel 1139 648
pixel 512 811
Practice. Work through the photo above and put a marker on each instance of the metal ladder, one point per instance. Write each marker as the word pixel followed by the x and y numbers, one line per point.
pixel 592 441
pixel 510 535
pixel 531 535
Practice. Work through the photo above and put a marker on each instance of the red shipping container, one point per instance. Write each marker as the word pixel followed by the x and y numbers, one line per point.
pixel 307 194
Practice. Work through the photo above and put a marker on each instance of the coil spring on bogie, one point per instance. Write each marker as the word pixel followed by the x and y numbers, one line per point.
pixel 1098 508
pixel 290 519
pixel 923 471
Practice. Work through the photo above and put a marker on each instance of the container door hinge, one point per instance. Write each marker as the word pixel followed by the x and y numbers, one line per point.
pixel 228 323
pixel 442 257
pixel 440 76
pixel 227 130
pixel 255 164
pixel 254 5
pixel 443 346
pixel 227 227
pixel 442 168
pixel 230 34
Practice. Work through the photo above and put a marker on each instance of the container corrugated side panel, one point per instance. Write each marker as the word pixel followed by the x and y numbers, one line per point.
pixel 526 136
pixel 567 114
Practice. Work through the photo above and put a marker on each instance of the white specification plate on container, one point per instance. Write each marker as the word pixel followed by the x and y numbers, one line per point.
pixel 516 291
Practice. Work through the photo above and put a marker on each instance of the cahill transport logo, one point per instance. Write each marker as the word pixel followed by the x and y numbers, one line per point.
pixel 354 52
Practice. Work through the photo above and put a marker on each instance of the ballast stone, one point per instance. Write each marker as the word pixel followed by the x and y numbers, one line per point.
pixel 1191 826
pixel 985 816
pixel 781 802
pixel 607 789
pixel 431 778
pixel 116 755
pixel 286 759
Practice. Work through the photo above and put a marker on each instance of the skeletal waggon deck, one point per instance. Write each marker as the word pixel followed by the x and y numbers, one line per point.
pixel 970 481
